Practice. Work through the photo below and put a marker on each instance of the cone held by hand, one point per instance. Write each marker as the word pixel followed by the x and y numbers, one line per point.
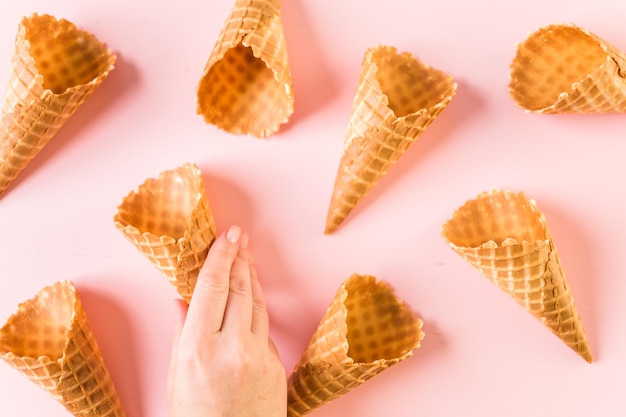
pixel 365 330
pixel 169 220
pixel 562 68
pixel 506 237
pixel 50 341
pixel 397 97
pixel 246 84
pixel 55 68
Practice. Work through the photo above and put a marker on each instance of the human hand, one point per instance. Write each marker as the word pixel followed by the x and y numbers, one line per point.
pixel 224 363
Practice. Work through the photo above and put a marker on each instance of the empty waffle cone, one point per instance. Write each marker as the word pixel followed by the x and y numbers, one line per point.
pixel 506 237
pixel 169 220
pixel 365 330
pixel 49 341
pixel 246 85
pixel 55 68
pixel 562 68
pixel 397 98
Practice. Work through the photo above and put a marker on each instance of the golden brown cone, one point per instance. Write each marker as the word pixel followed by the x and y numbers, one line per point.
pixel 506 237
pixel 562 68
pixel 55 68
pixel 397 98
pixel 365 330
pixel 49 340
pixel 246 85
pixel 169 220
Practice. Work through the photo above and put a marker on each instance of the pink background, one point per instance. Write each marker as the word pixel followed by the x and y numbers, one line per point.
pixel 482 354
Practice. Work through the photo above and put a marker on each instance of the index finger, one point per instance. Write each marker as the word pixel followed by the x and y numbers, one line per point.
pixel 208 301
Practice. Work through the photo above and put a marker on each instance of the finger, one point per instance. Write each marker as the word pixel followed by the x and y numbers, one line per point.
pixel 179 320
pixel 260 318
pixel 238 315
pixel 208 301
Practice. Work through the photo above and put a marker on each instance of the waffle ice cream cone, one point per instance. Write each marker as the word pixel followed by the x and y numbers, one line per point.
pixel 55 68
pixel 365 330
pixel 49 341
pixel 246 85
pixel 397 98
pixel 562 68
pixel 169 220
pixel 506 237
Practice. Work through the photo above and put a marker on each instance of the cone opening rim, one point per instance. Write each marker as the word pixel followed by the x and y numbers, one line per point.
pixel 496 219
pixel 66 293
pixel 242 116
pixel 397 64
pixel 543 91
pixel 136 222
pixel 62 31
pixel 403 328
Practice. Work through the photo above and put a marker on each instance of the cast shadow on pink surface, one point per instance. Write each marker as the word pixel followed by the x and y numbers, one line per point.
pixel 434 342
pixel 118 83
pixel 293 318
pixel 229 204
pixel 467 103
pixel 313 83
pixel 114 335
pixel 577 260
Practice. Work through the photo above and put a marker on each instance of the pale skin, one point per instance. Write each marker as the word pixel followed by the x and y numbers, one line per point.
pixel 223 362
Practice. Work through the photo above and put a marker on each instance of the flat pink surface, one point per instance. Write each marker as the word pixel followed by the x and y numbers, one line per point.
pixel 482 354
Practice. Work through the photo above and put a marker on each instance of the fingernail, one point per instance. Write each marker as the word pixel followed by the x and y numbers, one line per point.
pixel 233 234
pixel 245 239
